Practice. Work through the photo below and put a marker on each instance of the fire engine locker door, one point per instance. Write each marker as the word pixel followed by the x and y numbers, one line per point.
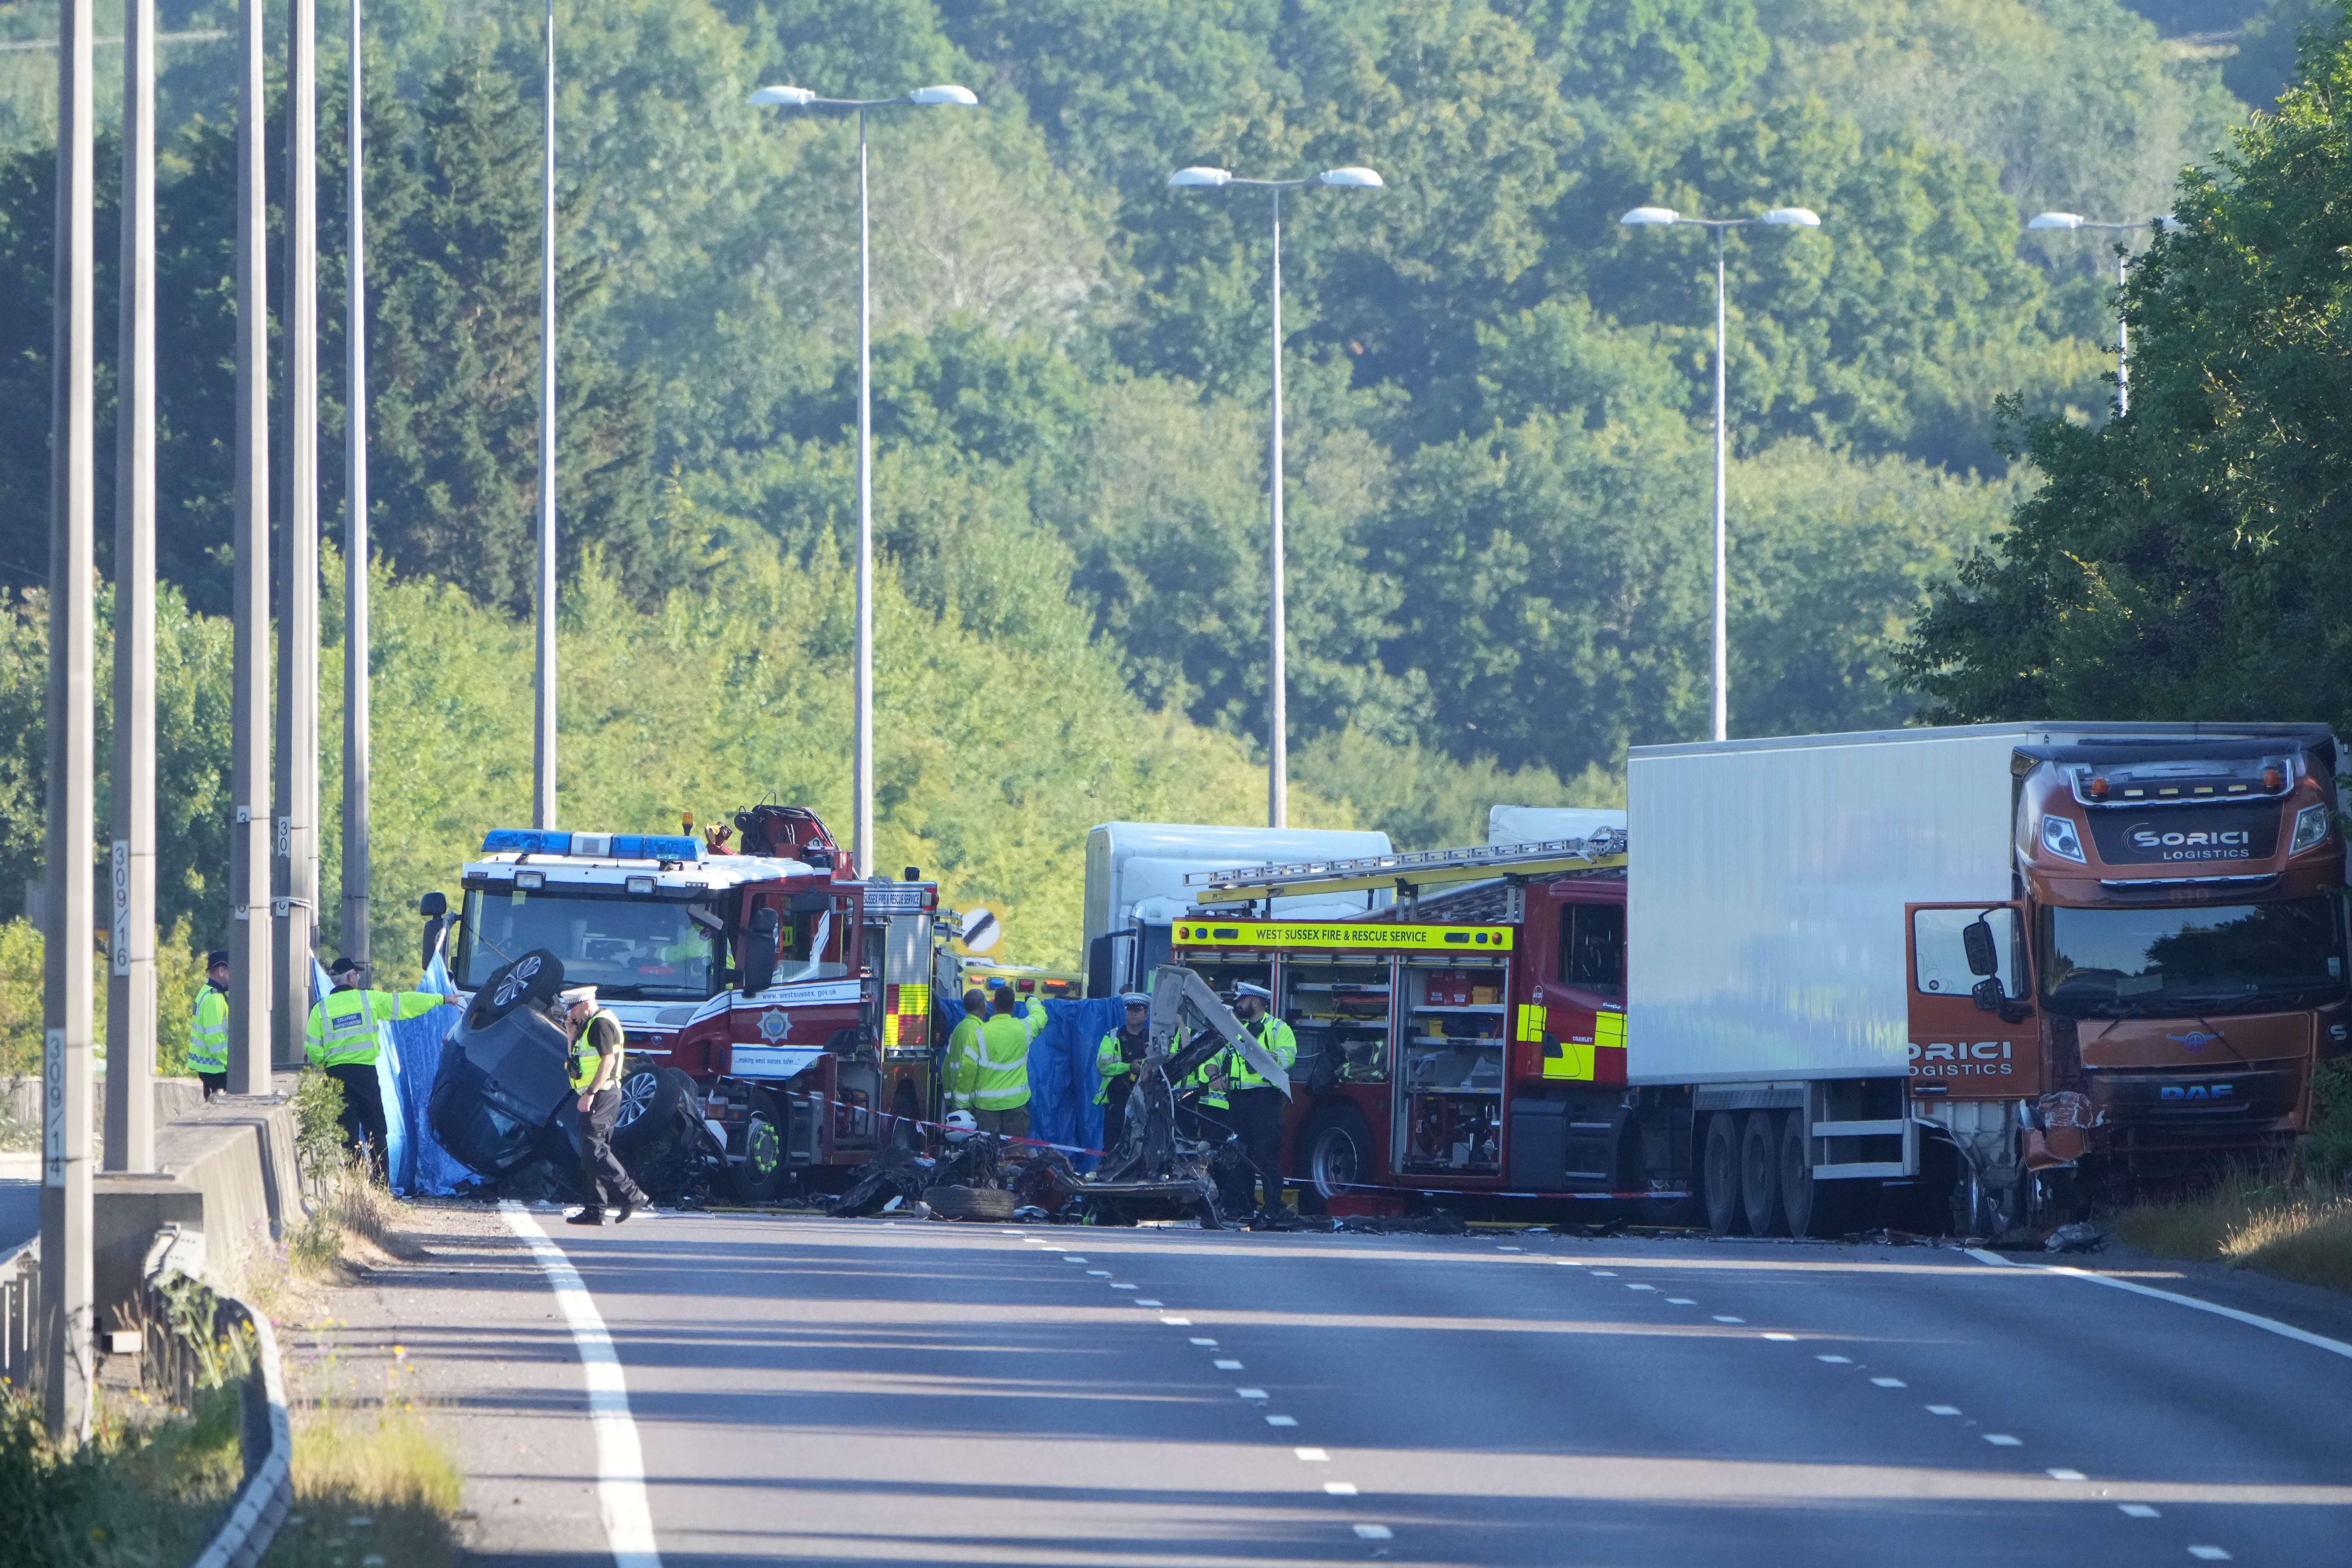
pixel 1970 1039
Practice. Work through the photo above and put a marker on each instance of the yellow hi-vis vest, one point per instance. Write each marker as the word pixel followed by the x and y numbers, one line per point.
pixel 208 1031
pixel 342 1030
pixel 992 1073
pixel 1109 1063
pixel 585 1056
pixel 1280 1044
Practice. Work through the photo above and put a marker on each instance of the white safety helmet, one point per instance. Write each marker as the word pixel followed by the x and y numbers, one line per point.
pixel 1246 989
pixel 960 1125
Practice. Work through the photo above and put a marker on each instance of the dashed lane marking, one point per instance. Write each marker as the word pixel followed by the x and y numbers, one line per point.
pixel 1721 1318
pixel 1836 1359
pixel 1382 1532
pixel 1943 1410
pixel 1340 1488
pixel 1890 1382
pixel 2208 1555
pixel 1229 1366
pixel 1312 1456
pixel 1641 1287
pixel 2003 1440
pixel 620 1456
pixel 1251 1393
pixel 2066 1475
pixel 1680 1301
pixel 1098 1273
pixel 1282 1421
pixel 1782 1339
pixel 1184 1323
pixel 2137 1510
pixel 1141 1302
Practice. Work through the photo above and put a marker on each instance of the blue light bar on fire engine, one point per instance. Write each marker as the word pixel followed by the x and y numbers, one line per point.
pixel 598 846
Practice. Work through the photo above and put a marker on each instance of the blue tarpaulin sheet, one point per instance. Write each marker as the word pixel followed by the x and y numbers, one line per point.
pixel 1062 1077
pixel 407 1068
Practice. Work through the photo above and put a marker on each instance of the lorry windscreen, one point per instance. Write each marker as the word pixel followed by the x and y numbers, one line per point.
pixel 624 946
pixel 2152 963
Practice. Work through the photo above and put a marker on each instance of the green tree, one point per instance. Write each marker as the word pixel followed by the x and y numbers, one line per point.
pixel 2186 561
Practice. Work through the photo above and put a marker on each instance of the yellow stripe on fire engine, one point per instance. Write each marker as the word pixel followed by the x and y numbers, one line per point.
pixel 1302 934
pixel 1609 1029
pixel 914 1000
pixel 1531 1023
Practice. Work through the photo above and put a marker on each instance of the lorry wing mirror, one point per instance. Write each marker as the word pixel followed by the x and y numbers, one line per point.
pixel 807 904
pixel 1986 995
pixel 432 904
pixel 760 950
pixel 1977 938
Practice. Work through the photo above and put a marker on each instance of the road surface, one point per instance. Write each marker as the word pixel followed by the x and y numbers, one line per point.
pixel 813 1391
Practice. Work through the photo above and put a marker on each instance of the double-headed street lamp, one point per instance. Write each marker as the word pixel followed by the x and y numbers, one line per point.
pixel 1779 217
pixel 862 787
pixel 1278 789
pixel 2122 347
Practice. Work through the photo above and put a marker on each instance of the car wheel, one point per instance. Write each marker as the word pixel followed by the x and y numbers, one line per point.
pixel 535 978
pixel 1337 1144
pixel 653 1102
pixel 758 1176
pixel 1719 1175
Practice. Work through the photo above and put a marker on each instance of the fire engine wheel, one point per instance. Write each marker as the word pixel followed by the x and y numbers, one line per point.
pixel 1719 1175
pixel 1760 1174
pixel 653 1102
pixel 971 1203
pixel 758 1175
pixel 1337 1147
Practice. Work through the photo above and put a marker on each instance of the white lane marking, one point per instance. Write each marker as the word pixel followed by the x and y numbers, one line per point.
pixel 1340 1488
pixel 2252 1320
pixel 1251 1393
pixel 620 1457
pixel 1680 1301
pixel 2003 1440
pixel 1211 1343
pixel 1098 1273
pixel 1119 1287
pixel 1312 1456
pixel 1073 1258
pixel 1566 1263
pixel 1943 1410
pixel 1641 1287
pixel 1010 1233
pixel 1721 1318
pixel 1890 1382
pixel 1185 1323
pixel 1782 1339
pixel 1229 1366
pixel 1836 1359
pixel 2066 1475
pixel 1282 1421
pixel 1141 1302
pixel 2137 1510
pixel 1604 1274
pixel 1510 1249
pixel 2208 1555
pixel 1382 1532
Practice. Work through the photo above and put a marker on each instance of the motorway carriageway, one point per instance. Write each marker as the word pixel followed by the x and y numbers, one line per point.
pixel 794 1389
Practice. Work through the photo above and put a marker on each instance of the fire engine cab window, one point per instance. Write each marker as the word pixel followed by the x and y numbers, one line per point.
pixel 624 947
pixel 1592 948
pixel 2114 963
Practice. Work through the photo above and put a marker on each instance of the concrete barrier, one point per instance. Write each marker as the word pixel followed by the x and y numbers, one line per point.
pixel 174 1098
pixel 225 1170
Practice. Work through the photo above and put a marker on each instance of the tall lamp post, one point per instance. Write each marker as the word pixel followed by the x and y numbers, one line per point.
pixel 1779 217
pixel 1278 679
pixel 2122 345
pixel 543 750
pixel 862 781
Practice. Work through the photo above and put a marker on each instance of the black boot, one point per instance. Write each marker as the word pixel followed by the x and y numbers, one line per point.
pixel 592 1215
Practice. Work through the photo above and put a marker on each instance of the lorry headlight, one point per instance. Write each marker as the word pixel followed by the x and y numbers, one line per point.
pixel 2310 827
pixel 2058 837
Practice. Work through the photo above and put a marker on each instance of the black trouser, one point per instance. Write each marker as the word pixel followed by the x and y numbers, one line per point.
pixel 1257 1122
pixel 213 1082
pixel 600 1172
pixel 362 1111
pixel 1115 1094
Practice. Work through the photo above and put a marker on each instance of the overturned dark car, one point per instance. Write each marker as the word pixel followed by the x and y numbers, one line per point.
pixel 503 1104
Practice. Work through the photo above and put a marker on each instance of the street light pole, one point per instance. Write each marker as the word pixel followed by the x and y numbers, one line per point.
pixel 862 750
pixel 1778 217
pixel 1277 676
pixel 67 1327
pixel 356 692
pixel 249 991
pixel 2123 260
pixel 296 909
pixel 130 984
pixel 543 770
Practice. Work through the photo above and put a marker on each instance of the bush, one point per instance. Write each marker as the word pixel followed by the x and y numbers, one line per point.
pixel 319 1147
pixel 2326 1152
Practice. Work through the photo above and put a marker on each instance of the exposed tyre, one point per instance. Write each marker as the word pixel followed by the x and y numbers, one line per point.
pixel 1807 1206
pixel 971 1203
pixel 1719 1175
pixel 1336 1147
pixel 1759 1174
pixel 758 1176
pixel 537 977
pixel 654 1100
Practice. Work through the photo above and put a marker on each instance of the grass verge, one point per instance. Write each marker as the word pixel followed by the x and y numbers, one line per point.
pixel 2291 1230
pixel 370 1491
pixel 147 1489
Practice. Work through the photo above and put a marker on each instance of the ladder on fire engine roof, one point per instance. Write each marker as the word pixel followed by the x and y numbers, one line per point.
pixel 1410 872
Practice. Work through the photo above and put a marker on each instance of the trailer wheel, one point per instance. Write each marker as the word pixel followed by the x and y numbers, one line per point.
pixel 1760 1174
pixel 760 1176
pixel 1337 1147
pixel 1719 1175
pixel 1808 1205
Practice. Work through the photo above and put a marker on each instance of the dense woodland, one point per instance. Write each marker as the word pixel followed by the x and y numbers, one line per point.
pixel 1498 398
